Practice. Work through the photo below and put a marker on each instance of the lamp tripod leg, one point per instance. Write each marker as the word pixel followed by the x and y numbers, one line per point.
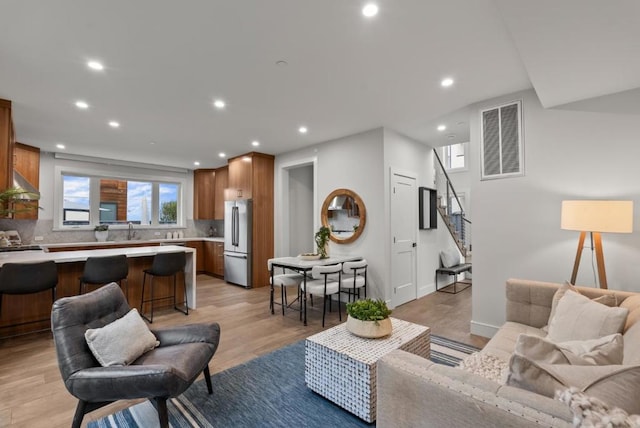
pixel 576 263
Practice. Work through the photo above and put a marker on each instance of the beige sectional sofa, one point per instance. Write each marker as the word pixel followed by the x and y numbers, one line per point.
pixel 414 392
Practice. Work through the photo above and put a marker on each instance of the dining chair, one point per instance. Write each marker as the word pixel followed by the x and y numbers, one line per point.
pixel 354 278
pixel 282 281
pixel 325 282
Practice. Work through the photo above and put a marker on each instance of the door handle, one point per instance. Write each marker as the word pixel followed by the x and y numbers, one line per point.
pixel 414 245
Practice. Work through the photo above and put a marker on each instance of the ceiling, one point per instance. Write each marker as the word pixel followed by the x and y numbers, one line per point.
pixel 167 61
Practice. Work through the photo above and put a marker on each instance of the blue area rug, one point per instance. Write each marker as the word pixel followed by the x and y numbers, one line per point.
pixel 268 391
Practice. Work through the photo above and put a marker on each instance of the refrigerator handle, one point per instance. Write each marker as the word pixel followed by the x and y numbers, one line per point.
pixel 236 227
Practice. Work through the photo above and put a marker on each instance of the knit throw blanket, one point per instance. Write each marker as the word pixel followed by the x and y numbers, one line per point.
pixel 590 412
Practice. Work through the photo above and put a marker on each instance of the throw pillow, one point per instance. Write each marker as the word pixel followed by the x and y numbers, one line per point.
pixel 578 318
pixel 606 299
pixel 591 412
pixel 450 257
pixel 601 351
pixel 122 341
pixel 632 345
pixel 486 365
pixel 633 304
pixel 614 384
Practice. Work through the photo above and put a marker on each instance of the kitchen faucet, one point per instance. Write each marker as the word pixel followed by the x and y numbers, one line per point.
pixel 131 233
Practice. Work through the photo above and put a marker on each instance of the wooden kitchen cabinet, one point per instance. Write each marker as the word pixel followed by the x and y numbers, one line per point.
pixel 200 256
pixel 209 257
pixel 6 145
pixel 203 194
pixel 218 259
pixel 221 183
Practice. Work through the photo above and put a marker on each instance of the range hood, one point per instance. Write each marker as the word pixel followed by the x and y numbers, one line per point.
pixel 338 203
pixel 19 181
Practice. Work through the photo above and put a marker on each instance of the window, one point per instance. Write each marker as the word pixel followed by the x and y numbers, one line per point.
pixel 454 156
pixel 89 200
pixel 502 154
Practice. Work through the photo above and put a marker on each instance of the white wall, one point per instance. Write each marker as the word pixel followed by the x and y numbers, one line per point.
pixel 301 210
pixel 354 162
pixel 516 221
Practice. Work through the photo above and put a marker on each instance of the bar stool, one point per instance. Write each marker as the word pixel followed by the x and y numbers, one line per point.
pixel 28 278
pixel 104 270
pixel 165 265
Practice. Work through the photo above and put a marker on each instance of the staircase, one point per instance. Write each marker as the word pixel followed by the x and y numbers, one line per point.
pixel 451 210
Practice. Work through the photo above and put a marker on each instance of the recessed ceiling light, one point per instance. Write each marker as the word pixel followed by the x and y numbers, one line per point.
pixel 60 146
pixel 219 104
pixel 451 136
pixel 303 130
pixel 370 9
pixel 446 82
pixel 82 104
pixel 255 143
pixel 196 163
pixel 95 65
pixel 114 124
pixel 152 143
pixel 222 155
pixel 442 127
pixel 282 63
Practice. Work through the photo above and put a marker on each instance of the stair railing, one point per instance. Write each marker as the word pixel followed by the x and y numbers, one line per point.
pixel 461 225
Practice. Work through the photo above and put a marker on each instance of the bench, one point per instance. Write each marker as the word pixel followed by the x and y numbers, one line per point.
pixel 450 265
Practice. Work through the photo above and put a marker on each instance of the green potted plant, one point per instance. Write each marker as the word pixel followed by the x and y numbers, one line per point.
pixel 12 201
pixel 369 318
pixel 322 241
pixel 102 232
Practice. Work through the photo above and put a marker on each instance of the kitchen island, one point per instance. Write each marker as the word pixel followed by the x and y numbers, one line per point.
pixel 70 264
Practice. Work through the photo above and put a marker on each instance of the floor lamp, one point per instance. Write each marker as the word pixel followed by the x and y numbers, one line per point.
pixel 596 217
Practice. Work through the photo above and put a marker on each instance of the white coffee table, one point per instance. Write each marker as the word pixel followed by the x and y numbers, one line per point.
pixel 342 367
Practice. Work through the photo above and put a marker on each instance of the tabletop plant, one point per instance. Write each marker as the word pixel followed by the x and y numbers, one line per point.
pixel 101 228
pixel 322 241
pixel 369 310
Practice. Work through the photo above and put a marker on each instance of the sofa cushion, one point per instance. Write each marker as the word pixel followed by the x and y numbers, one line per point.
pixel 119 343
pixel 578 318
pixel 601 351
pixel 617 385
pixel 631 340
pixel 503 342
pixel 631 303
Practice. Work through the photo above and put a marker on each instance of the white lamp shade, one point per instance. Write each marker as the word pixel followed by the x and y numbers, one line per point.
pixel 597 216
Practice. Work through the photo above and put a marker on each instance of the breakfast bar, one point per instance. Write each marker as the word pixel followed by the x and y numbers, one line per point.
pixel 22 309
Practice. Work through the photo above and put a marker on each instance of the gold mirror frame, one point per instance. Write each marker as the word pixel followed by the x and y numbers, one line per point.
pixel 362 215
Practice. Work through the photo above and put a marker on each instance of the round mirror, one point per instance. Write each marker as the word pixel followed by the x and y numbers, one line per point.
pixel 344 213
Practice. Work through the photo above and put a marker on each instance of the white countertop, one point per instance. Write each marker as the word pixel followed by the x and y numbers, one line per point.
pixel 130 241
pixel 82 255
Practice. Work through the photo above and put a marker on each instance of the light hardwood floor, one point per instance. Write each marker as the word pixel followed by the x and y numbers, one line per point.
pixel 32 393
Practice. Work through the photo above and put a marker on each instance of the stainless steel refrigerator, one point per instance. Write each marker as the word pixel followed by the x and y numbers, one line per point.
pixel 237 242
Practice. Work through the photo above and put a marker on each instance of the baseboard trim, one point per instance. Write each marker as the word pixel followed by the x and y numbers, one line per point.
pixel 482 329
pixel 426 289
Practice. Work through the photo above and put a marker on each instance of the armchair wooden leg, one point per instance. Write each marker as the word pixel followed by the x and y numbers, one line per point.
pixel 207 378
pixel 163 415
pixel 79 415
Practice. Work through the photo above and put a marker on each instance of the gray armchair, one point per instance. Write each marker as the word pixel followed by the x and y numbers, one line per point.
pixel 167 371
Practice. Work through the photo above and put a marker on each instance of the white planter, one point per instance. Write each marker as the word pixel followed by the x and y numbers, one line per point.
pixel 101 235
pixel 369 329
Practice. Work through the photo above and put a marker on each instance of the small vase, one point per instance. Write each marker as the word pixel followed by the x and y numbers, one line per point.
pixel 369 329
pixel 101 235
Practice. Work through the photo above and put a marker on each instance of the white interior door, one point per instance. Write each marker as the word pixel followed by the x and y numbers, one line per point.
pixel 404 217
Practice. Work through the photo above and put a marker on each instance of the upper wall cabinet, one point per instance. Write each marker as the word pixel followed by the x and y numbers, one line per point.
pixel 6 145
pixel 222 182
pixel 203 194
